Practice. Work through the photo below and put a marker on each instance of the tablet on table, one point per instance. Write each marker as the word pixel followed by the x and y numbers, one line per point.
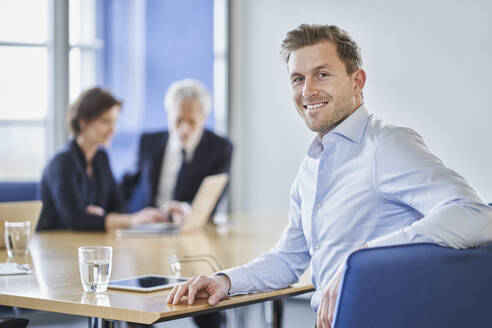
pixel 147 283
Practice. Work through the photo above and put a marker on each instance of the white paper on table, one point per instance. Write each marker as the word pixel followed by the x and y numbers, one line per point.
pixel 13 268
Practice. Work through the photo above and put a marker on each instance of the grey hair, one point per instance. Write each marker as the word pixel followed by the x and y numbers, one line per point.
pixel 187 89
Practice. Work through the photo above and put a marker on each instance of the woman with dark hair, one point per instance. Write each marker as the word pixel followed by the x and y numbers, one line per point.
pixel 78 189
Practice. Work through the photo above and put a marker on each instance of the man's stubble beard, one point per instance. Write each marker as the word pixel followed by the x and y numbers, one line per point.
pixel 341 110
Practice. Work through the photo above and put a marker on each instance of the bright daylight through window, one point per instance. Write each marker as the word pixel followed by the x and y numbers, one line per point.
pixel 27 78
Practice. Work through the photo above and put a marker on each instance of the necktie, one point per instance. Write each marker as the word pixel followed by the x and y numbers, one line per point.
pixel 182 174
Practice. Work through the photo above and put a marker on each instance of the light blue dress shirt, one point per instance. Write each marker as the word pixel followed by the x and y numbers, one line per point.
pixel 366 182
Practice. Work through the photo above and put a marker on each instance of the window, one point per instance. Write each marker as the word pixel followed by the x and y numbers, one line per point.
pixel 85 46
pixel 221 63
pixel 34 90
pixel 23 81
pixel 52 50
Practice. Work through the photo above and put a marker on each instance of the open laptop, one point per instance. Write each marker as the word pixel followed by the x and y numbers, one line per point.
pixel 19 211
pixel 201 208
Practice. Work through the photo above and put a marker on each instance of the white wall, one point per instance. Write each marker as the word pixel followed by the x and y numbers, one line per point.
pixel 428 66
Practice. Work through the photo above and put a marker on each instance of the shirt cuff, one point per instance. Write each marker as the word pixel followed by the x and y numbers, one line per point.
pixel 237 280
pixel 398 237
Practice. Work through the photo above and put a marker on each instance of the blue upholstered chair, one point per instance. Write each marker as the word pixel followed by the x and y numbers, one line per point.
pixel 18 191
pixel 13 323
pixel 420 285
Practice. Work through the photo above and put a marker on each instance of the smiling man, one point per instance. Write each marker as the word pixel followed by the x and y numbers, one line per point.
pixel 363 183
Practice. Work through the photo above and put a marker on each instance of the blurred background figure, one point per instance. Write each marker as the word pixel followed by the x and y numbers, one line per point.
pixel 77 188
pixel 172 164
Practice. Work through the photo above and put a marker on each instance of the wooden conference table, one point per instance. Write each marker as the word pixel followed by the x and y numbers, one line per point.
pixel 56 287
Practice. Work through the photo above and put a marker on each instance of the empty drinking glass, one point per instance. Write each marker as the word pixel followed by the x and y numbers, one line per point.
pixel 95 267
pixel 17 236
pixel 174 264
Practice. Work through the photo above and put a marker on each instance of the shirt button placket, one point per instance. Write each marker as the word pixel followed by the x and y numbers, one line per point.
pixel 315 242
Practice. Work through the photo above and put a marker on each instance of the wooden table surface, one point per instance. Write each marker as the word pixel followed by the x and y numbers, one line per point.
pixel 56 286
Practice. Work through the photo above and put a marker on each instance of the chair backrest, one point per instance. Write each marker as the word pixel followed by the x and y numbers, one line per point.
pixel 419 285
pixel 18 191
pixel 19 211
pixel 13 323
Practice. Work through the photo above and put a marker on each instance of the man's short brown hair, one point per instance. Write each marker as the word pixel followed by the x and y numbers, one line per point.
pixel 307 35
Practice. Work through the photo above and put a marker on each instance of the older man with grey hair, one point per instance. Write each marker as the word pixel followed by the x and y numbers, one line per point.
pixel 172 164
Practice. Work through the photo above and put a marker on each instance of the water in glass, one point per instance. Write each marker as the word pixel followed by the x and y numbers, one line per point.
pixel 17 236
pixel 95 275
pixel 95 267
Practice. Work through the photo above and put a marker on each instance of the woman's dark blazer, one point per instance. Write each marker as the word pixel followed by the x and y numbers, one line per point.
pixel 66 190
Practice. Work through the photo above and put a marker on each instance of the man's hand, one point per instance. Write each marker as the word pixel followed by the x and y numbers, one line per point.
pixel 147 215
pixel 215 288
pixel 326 310
pixel 179 211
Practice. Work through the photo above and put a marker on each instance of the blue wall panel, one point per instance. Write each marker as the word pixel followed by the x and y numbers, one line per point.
pixel 179 44
pixel 149 45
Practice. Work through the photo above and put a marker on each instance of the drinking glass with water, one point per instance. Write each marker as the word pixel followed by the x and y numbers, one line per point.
pixel 17 236
pixel 95 267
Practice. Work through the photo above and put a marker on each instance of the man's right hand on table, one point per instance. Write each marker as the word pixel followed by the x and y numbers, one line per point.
pixel 215 288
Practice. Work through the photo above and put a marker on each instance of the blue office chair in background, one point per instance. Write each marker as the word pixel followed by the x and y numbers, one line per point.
pixel 13 323
pixel 18 191
pixel 419 285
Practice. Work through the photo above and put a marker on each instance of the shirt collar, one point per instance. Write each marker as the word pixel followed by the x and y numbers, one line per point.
pixel 189 150
pixel 352 128
pixel 78 151
pixel 174 143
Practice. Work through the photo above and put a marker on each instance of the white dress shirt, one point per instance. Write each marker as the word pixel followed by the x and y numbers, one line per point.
pixel 365 182
pixel 171 164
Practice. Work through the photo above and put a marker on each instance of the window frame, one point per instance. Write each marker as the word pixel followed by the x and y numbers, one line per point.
pixel 58 50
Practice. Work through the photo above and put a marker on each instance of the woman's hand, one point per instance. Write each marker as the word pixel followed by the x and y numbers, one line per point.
pixel 96 210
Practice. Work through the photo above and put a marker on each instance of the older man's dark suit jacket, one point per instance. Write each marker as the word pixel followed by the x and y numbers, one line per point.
pixel 212 156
